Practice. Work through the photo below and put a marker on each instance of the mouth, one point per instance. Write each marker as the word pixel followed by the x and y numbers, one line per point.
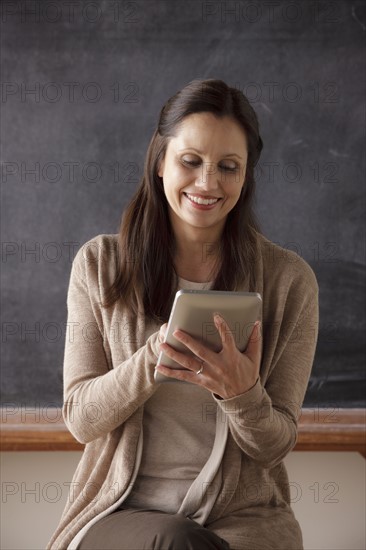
pixel 202 201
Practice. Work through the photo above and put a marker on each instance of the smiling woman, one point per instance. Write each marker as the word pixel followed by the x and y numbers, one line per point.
pixel 202 183
pixel 205 123
pixel 196 465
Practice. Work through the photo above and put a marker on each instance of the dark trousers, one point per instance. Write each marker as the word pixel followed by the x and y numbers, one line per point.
pixel 136 529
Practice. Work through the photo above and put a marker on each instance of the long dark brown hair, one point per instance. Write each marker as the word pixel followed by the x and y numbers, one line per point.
pixel 145 278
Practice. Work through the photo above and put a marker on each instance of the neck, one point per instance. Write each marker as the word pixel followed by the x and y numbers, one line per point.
pixel 197 254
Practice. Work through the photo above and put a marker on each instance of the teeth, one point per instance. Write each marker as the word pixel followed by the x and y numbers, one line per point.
pixel 199 200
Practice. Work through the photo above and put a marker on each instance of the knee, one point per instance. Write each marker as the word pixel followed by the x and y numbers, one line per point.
pixel 178 527
pixel 186 534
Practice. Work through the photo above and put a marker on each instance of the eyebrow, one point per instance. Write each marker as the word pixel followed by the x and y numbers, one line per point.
pixel 200 152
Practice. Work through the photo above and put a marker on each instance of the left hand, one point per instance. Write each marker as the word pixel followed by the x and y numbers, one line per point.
pixel 162 332
pixel 226 373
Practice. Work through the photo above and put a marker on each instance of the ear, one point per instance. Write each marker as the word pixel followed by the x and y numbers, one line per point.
pixel 161 169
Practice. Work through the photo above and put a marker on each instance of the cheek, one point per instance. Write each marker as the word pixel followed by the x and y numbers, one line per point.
pixel 233 195
pixel 179 178
pixel 172 188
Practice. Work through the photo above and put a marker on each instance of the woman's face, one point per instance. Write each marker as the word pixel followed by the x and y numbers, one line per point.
pixel 203 172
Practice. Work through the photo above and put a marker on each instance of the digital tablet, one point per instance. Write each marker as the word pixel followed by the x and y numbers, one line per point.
pixel 193 311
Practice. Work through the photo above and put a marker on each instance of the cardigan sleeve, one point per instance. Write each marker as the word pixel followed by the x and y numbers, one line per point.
pixel 97 399
pixel 263 420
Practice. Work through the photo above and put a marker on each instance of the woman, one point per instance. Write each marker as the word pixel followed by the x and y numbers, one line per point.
pixel 198 465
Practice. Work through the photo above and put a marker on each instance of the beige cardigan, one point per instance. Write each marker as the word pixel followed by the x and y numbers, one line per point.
pixel 108 376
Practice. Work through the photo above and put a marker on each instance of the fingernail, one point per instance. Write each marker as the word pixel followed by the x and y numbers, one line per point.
pixel 218 316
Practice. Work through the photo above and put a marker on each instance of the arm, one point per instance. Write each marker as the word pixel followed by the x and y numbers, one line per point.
pixel 263 420
pixel 97 398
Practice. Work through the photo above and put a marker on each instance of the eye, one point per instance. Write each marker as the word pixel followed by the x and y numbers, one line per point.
pixel 229 168
pixel 191 161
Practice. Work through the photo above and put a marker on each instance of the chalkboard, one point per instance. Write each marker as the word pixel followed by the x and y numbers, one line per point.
pixel 83 83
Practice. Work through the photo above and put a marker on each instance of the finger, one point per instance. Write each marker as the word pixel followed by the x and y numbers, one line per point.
pixel 162 332
pixel 180 374
pixel 187 361
pixel 195 346
pixel 225 332
pixel 254 347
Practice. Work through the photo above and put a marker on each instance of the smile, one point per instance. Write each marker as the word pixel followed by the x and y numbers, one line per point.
pixel 200 200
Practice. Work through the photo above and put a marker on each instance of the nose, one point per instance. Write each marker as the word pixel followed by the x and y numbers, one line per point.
pixel 208 179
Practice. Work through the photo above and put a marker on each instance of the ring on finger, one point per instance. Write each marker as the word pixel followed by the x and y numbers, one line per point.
pixel 200 371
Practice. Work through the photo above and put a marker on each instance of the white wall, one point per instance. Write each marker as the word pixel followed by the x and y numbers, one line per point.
pixel 328 493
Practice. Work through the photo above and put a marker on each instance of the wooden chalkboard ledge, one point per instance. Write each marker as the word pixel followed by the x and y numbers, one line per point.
pixel 319 430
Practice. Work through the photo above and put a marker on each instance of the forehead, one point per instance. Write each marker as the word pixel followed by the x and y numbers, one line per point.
pixel 207 132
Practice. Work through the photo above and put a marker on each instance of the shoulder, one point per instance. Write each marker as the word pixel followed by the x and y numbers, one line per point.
pixel 96 256
pixel 97 248
pixel 284 267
